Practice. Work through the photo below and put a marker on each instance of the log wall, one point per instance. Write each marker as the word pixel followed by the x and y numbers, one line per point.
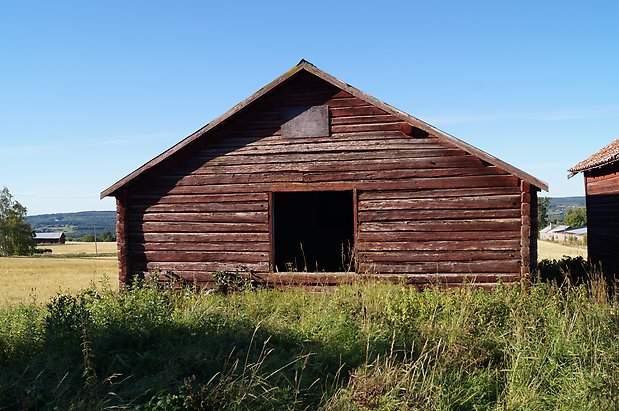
pixel 602 190
pixel 424 208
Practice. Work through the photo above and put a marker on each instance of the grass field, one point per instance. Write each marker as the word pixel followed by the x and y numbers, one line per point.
pixel 367 346
pixel 79 247
pixel 364 347
pixel 553 251
pixel 39 278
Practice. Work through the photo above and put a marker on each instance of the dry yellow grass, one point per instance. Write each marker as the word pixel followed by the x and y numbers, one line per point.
pixel 78 247
pixel 38 278
pixel 554 251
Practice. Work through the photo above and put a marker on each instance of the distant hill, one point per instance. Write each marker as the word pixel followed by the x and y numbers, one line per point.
pixel 75 225
pixel 560 205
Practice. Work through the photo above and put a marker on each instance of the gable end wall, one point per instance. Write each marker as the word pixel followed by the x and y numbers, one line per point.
pixel 424 208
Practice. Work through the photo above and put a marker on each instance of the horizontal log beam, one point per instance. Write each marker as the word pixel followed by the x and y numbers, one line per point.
pixel 163 237
pixel 437 193
pixel 409 184
pixel 490 235
pixel 490 266
pixel 223 217
pixel 462 203
pixel 189 227
pixel 454 245
pixel 505 224
pixel 337 279
pixel 200 246
pixel 439 214
pixel 341 164
pixel 439 257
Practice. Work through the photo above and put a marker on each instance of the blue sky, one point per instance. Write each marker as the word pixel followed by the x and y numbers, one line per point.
pixel 89 91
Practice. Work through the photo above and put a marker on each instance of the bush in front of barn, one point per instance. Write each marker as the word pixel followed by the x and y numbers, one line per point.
pixel 367 346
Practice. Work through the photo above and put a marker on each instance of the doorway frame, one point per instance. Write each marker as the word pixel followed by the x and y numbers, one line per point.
pixel 355 202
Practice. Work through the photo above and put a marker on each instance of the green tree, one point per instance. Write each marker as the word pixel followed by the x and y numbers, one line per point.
pixel 107 236
pixel 16 235
pixel 576 217
pixel 543 204
pixel 89 238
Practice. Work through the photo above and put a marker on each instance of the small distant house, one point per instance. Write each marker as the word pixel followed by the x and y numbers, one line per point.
pixel 601 172
pixel 550 232
pixel 50 238
pixel 310 181
pixel 563 233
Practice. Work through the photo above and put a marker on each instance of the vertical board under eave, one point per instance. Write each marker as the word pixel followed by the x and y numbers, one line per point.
pixel 534 232
pixel 423 207
pixel 121 239
pixel 525 228
pixel 528 229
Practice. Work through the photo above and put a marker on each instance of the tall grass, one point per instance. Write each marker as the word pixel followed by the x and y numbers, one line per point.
pixel 365 346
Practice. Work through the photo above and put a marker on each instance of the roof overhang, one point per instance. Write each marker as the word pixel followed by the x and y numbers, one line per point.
pixel 306 66
pixel 607 155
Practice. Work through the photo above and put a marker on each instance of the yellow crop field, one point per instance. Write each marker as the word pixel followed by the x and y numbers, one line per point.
pixel 554 251
pixel 79 247
pixel 39 278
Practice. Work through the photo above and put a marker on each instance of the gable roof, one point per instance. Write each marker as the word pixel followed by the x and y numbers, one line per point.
pixel 559 229
pixel 48 236
pixel 546 229
pixel 310 68
pixel 607 155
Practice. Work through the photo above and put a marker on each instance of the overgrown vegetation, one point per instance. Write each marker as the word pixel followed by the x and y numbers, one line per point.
pixel 365 346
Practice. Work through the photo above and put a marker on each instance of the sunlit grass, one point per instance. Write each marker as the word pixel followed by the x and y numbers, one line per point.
pixel 362 347
pixel 38 278
pixel 80 247
pixel 553 251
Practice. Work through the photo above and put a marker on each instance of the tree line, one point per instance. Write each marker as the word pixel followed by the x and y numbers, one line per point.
pixel 574 217
pixel 107 236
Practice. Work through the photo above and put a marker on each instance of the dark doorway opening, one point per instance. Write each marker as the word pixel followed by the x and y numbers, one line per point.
pixel 313 231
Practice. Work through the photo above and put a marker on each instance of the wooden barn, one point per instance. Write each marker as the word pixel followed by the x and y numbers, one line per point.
pixel 601 172
pixel 310 181
pixel 50 238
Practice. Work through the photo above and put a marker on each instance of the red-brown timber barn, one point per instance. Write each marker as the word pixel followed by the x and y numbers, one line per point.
pixel 310 181
pixel 601 172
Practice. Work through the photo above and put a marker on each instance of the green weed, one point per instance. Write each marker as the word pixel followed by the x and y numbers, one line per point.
pixel 364 346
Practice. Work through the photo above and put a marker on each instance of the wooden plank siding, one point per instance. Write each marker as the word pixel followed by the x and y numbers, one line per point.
pixel 602 189
pixel 423 208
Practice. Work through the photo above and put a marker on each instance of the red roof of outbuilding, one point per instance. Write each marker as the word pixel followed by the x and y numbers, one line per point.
pixel 607 155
